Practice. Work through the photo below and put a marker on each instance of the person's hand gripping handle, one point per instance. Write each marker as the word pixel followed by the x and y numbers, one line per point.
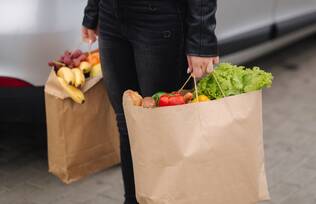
pixel 200 66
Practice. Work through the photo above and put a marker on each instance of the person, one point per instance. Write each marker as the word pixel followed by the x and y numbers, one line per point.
pixel 149 46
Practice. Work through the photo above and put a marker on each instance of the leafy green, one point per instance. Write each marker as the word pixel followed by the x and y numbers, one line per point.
pixel 234 80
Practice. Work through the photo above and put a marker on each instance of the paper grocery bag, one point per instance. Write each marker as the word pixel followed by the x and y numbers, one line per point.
pixel 82 138
pixel 205 153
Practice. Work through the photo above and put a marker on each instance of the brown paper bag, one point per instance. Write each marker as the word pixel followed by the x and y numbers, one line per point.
pixel 205 153
pixel 82 138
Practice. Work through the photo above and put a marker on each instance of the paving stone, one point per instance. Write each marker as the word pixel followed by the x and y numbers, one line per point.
pixel 311 162
pixel 21 194
pixel 302 197
pixel 3 190
pixel 282 191
pixel 311 187
pixel 101 200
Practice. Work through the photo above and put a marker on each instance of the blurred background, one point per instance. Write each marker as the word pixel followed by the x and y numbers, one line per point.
pixel 277 35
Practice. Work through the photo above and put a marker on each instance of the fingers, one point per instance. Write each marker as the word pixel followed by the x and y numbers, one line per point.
pixel 197 72
pixel 200 66
pixel 92 36
pixel 88 35
pixel 197 68
pixel 216 60
pixel 84 34
pixel 190 69
pixel 210 67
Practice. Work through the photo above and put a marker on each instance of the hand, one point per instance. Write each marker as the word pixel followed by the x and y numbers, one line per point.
pixel 200 66
pixel 88 35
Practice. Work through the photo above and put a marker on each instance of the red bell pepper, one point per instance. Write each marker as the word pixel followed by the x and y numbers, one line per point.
pixel 171 100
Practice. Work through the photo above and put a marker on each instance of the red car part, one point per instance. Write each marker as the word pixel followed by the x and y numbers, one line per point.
pixel 12 82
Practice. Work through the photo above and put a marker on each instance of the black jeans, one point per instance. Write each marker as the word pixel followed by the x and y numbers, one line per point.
pixel 142 48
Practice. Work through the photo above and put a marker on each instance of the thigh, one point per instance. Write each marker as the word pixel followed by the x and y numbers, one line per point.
pixel 158 43
pixel 116 54
pixel 118 66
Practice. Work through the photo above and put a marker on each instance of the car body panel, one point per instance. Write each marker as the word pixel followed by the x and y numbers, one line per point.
pixel 288 9
pixel 246 55
pixel 242 16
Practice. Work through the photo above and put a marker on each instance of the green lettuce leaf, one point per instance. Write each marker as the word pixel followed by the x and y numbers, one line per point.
pixel 234 80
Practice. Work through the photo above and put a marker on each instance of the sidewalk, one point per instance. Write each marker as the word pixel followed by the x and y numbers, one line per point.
pixel 289 134
pixel 290 125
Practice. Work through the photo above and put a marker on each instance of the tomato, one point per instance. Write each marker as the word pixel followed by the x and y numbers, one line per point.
pixel 171 100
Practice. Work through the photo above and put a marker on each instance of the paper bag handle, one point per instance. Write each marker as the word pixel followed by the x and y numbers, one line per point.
pixel 195 85
pixel 218 84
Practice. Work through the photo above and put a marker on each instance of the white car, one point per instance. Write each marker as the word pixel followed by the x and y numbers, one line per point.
pixel 34 31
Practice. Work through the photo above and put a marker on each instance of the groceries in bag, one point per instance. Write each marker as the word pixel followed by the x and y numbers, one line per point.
pixel 226 80
pixel 73 69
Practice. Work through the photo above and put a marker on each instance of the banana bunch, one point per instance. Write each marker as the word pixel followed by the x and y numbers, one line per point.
pixel 79 77
pixel 71 80
pixel 66 74
pixel 72 91
pixel 73 76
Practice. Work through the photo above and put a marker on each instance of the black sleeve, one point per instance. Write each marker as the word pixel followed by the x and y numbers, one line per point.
pixel 201 22
pixel 91 14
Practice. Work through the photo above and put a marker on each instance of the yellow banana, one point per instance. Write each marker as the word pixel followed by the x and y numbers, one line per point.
pixel 72 91
pixel 96 70
pixel 85 67
pixel 79 77
pixel 66 74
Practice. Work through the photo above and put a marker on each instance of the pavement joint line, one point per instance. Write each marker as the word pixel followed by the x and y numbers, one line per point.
pixel 35 185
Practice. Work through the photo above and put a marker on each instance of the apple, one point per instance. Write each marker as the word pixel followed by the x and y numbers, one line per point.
pixel 85 67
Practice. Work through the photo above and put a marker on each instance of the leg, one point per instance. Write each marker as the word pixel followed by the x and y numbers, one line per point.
pixel 118 66
pixel 120 75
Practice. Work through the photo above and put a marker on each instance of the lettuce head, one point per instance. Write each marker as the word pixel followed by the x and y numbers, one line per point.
pixel 233 80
